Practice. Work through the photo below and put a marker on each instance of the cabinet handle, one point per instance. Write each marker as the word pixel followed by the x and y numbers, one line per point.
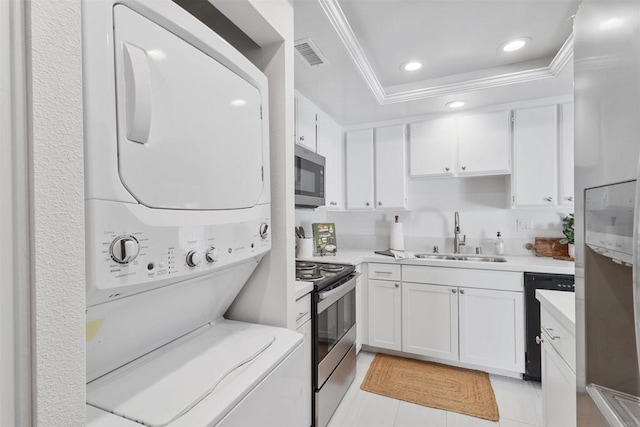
pixel 379 203
pixel 446 168
pixel 539 340
pixel 462 291
pixel 570 198
pixel 382 272
pixel 453 291
pixel 332 203
pixel 397 285
pixel 549 332
pixel 302 138
pixel 301 315
pixel 464 168
pixel 549 199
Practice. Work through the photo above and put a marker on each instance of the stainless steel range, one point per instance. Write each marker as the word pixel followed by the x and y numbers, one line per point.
pixel 333 320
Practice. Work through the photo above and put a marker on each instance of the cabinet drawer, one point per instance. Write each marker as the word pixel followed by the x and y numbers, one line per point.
pixel 469 278
pixel 384 271
pixel 559 337
pixel 303 310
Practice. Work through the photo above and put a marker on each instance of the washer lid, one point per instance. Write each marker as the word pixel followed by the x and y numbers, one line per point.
pixel 165 384
pixel 189 129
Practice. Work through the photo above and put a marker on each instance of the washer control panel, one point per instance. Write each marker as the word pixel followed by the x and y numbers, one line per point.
pixel 127 255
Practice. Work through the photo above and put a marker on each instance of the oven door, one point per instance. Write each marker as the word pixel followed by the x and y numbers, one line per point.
pixel 335 330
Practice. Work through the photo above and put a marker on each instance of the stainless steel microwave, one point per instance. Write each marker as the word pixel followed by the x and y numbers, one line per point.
pixel 309 178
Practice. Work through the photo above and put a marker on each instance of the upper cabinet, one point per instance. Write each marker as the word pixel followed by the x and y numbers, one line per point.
pixel 305 115
pixel 468 145
pixel 329 141
pixel 543 157
pixel 484 142
pixel 376 172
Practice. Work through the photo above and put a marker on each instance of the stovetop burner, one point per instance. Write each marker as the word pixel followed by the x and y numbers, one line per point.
pixel 321 274
pixel 332 267
pixel 305 265
pixel 308 275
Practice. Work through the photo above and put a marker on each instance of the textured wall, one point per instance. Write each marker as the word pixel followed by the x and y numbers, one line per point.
pixel 57 213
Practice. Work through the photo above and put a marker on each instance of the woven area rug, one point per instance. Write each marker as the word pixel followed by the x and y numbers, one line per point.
pixel 434 385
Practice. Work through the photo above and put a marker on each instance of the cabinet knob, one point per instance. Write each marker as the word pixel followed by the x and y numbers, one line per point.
pixel 366 204
pixel 453 291
pixel 464 168
pixel 302 138
pixel 539 340
pixel 570 198
pixel 462 291
pixel 397 285
pixel 379 203
pixel 549 199
pixel 332 203
pixel 446 168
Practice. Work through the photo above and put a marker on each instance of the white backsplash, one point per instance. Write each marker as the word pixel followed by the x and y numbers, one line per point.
pixel 482 206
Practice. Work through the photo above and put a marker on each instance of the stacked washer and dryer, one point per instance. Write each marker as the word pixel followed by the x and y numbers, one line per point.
pixel 177 218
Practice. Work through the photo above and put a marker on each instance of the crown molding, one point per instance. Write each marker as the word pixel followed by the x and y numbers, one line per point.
pixel 338 20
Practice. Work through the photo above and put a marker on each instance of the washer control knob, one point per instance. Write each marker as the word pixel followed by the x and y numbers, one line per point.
pixel 124 249
pixel 193 258
pixel 264 230
pixel 211 255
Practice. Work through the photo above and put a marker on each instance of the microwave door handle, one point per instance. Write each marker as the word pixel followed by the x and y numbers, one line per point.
pixel 137 83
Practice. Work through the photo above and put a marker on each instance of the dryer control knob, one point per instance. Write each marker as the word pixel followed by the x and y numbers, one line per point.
pixel 193 258
pixel 264 230
pixel 211 255
pixel 124 249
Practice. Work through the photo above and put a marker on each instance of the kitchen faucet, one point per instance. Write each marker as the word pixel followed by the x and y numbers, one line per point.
pixel 456 235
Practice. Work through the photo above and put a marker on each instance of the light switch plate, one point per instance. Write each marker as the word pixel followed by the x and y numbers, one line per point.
pixel 524 224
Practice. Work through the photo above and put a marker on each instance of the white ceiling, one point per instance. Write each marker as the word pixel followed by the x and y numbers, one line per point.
pixel 366 41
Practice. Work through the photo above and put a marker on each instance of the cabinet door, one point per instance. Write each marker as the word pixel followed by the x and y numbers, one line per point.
pixel 484 144
pixel 329 139
pixel 305 123
pixel 359 316
pixel 391 168
pixel 385 314
pixel 558 389
pixel 359 149
pixel 492 328
pixel 566 155
pixel 430 320
pixel 431 147
pixel 536 157
pixel 305 329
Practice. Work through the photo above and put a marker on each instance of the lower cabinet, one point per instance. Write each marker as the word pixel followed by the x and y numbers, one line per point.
pixel 385 311
pixel 558 388
pixel 303 326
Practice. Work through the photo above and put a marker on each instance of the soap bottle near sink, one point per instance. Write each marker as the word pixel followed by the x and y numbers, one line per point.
pixel 498 245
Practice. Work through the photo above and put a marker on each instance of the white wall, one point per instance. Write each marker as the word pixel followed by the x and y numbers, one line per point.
pixel 57 217
pixel 428 221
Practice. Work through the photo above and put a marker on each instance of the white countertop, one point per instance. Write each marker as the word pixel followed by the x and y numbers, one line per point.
pixel 530 263
pixel 303 288
pixel 561 305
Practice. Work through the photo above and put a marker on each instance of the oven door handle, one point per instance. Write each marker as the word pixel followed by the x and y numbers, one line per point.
pixel 329 297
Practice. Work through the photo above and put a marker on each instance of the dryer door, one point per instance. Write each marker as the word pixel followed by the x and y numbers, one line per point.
pixel 189 129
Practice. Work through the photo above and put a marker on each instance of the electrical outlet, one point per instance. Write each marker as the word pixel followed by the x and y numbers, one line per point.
pixel 524 224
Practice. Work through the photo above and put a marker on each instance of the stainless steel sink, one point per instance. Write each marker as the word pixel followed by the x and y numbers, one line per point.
pixel 478 258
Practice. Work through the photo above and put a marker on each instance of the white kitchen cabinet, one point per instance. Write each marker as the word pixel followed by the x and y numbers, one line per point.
pixel 535 172
pixel 566 161
pixel 329 142
pixel 305 115
pixel 492 328
pixel 385 311
pixel 432 145
pixel 303 326
pixel 484 144
pixel 558 388
pixel 359 173
pixel 390 168
pixel 430 320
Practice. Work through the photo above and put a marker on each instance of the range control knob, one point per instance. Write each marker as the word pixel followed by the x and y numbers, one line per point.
pixel 193 258
pixel 264 230
pixel 211 255
pixel 124 249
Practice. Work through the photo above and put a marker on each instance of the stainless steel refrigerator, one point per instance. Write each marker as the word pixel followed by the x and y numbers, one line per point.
pixel 607 148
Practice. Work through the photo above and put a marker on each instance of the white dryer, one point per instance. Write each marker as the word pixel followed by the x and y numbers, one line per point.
pixel 177 218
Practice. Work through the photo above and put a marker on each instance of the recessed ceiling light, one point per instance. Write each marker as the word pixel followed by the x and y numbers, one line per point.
pixel 455 104
pixel 514 44
pixel 412 66
pixel 611 24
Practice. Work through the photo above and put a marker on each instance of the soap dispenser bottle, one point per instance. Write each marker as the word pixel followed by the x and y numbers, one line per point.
pixel 498 245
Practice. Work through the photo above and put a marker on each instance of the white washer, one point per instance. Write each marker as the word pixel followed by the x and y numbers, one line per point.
pixel 178 213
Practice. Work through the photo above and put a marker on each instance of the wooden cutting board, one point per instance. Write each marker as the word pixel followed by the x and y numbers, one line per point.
pixel 544 246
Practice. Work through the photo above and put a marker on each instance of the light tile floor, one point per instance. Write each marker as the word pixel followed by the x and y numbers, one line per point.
pixel 519 404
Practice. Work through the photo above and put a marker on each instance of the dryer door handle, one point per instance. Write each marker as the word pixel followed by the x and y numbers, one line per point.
pixel 137 82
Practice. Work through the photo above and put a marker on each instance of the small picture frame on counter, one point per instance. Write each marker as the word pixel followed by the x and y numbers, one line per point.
pixel 324 238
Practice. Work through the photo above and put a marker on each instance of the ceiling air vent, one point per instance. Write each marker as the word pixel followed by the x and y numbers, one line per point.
pixel 309 52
